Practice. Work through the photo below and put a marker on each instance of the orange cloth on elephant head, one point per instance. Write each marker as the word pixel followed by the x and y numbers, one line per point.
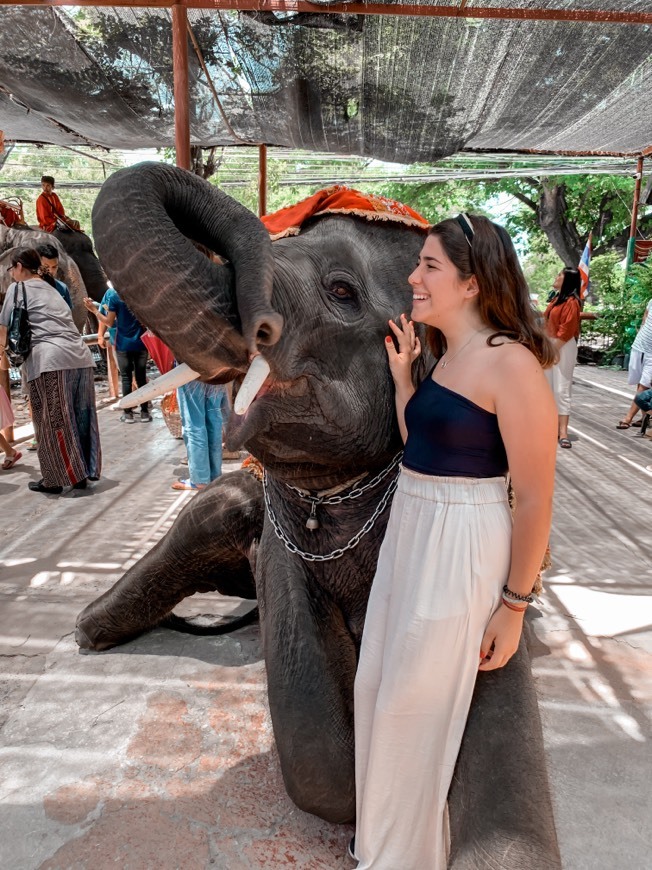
pixel 340 199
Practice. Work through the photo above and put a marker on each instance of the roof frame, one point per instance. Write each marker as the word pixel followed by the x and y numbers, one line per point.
pixel 324 7
pixel 612 16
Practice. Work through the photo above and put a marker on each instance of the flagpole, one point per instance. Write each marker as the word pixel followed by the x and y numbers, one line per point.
pixel 635 207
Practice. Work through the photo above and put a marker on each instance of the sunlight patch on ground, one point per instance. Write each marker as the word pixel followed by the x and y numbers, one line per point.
pixel 604 614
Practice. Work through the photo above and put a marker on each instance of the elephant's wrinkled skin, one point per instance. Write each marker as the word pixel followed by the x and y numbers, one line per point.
pixel 22 237
pixel 324 417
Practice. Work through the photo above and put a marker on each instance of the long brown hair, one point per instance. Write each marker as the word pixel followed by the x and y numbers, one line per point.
pixel 477 246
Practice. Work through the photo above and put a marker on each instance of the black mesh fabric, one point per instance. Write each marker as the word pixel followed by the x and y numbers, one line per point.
pixel 402 89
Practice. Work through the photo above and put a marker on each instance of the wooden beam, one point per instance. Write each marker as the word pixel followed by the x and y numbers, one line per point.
pixel 637 196
pixel 181 91
pixel 605 16
pixel 635 206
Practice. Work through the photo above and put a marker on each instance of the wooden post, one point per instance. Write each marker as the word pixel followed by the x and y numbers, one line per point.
pixel 262 180
pixel 181 90
pixel 635 207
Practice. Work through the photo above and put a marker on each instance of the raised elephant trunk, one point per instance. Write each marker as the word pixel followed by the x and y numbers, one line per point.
pixel 144 220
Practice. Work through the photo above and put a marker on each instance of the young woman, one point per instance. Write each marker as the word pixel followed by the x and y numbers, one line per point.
pixel 562 317
pixel 59 372
pixel 454 574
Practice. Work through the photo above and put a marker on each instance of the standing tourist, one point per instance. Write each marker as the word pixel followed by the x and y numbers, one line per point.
pixel 12 456
pixel 48 271
pixel 200 407
pixel 454 576
pixel 130 350
pixel 640 364
pixel 59 374
pixel 562 318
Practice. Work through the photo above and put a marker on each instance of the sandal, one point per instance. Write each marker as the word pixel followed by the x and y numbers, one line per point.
pixel 623 425
pixel 10 461
pixel 565 443
pixel 187 484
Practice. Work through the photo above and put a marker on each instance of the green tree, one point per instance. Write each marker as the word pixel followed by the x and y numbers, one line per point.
pixel 560 211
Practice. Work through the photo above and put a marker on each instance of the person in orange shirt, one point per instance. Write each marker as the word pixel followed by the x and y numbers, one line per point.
pixel 49 210
pixel 562 318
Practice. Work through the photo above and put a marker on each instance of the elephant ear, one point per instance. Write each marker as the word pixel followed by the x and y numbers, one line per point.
pixel 145 222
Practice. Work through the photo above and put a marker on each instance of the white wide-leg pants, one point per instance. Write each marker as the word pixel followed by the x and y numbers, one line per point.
pixel 560 376
pixel 441 569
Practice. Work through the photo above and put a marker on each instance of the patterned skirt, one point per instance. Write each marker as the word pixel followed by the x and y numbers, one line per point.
pixel 65 425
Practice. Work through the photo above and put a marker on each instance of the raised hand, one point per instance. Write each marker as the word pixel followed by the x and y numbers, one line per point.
pixel 401 357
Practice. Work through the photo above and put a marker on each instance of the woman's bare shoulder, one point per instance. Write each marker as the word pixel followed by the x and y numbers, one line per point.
pixel 513 359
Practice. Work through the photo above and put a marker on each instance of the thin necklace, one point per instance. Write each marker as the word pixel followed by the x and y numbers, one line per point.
pixel 450 360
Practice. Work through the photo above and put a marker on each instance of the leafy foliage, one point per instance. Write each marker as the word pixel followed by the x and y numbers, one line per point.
pixel 620 300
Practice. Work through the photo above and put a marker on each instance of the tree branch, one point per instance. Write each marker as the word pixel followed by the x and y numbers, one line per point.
pixel 526 199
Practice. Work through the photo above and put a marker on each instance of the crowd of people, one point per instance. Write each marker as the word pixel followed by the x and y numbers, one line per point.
pixel 59 379
pixel 57 376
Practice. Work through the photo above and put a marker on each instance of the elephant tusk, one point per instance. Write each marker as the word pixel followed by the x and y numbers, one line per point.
pixel 254 379
pixel 176 377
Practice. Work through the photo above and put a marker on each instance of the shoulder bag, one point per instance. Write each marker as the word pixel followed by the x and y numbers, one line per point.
pixel 19 332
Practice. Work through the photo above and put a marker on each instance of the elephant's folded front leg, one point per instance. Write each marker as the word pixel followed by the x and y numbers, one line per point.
pixel 208 548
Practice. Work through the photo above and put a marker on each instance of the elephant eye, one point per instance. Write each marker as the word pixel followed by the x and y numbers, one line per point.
pixel 341 291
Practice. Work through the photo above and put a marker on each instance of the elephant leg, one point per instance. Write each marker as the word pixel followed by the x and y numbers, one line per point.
pixel 499 801
pixel 210 547
pixel 311 661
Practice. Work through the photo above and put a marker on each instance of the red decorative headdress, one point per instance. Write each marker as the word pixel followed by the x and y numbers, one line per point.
pixel 340 199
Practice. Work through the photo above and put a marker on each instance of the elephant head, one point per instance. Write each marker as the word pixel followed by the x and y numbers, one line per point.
pixel 326 408
pixel 26 237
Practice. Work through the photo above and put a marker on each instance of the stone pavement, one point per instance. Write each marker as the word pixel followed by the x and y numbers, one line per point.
pixel 159 754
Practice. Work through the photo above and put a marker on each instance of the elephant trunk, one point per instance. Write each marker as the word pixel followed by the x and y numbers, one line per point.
pixel 144 220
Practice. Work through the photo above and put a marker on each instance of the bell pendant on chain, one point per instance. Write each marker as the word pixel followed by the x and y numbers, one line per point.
pixel 312 522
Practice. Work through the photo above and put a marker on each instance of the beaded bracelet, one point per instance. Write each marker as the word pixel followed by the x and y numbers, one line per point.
pixel 515 596
pixel 510 606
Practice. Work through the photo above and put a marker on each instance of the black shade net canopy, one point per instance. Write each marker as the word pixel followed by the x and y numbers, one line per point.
pixel 401 88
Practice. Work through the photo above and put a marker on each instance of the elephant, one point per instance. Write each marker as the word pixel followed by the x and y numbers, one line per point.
pixel 79 246
pixel 25 237
pixel 315 306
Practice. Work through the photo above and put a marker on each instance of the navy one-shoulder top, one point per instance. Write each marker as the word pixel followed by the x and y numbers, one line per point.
pixel 451 436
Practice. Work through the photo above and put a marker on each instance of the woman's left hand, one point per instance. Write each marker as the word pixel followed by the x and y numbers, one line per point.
pixel 503 634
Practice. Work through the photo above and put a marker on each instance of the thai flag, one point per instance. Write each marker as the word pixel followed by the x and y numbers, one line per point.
pixel 583 267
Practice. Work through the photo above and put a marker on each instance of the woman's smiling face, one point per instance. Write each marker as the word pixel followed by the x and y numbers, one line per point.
pixel 437 289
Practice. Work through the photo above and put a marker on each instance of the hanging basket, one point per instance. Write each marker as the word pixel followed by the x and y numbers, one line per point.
pixel 171 415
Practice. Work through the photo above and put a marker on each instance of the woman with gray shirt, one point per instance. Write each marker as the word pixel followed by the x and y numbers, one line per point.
pixel 59 372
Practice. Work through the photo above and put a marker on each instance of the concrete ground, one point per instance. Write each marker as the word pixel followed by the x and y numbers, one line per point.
pixel 159 754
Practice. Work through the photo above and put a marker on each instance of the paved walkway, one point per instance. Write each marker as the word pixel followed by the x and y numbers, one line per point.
pixel 159 754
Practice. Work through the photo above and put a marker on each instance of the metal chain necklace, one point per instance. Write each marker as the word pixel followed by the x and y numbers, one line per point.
pixel 312 522
pixel 450 360
pixel 340 551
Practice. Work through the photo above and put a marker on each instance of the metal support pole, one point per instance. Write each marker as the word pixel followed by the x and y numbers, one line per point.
pixel 181 90
pixel 262 180
pixel 635 206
